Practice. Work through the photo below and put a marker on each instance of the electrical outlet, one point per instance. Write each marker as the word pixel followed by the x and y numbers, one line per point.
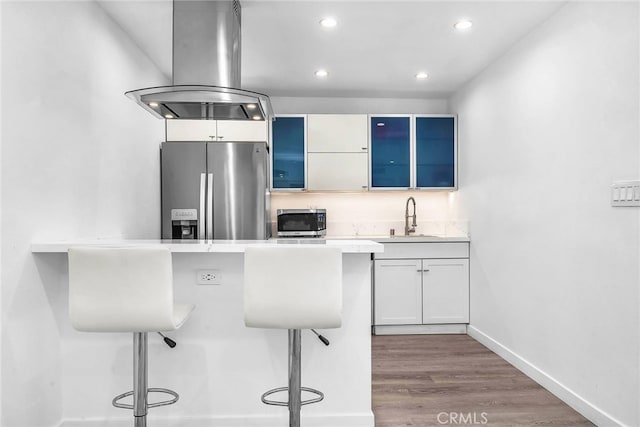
pixel 209 277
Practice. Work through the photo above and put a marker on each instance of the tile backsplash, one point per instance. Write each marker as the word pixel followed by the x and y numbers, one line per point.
pixel 375 213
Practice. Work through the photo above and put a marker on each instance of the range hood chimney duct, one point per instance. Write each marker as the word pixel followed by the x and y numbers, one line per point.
pixel 206 68
pixel 206 43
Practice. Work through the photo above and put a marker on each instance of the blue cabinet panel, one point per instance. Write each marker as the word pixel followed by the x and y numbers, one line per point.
pixel 390 151
pixel 287 140
pixel 435 152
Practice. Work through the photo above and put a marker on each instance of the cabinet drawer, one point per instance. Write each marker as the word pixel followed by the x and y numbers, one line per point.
pixel 425 250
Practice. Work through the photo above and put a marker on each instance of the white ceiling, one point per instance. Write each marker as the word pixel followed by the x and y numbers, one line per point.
pixel 375 51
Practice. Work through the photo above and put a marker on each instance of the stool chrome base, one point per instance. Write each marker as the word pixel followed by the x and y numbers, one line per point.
pixel 295 389
pixel 175 395
pixel 140 390
pixel 286 403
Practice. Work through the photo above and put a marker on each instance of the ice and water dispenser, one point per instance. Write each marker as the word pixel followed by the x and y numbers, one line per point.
pixel 184 224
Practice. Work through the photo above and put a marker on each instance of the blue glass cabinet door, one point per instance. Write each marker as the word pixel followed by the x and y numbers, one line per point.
pixel 287 145
pixel 390 151
pixel 435 152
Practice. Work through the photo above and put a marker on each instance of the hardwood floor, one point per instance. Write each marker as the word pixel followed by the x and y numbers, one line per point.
pixel 436 380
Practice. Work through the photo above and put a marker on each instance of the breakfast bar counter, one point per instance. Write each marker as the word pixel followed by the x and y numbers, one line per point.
pixel 220 368
pixel 219 246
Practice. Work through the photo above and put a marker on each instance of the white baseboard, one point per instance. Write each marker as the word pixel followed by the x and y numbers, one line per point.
pixel 420 329
pixel 342 420
pixel 586 409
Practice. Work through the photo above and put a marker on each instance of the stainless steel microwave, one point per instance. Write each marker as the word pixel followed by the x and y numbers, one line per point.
pixel 302 222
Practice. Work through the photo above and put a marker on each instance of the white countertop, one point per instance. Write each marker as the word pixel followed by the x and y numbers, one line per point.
pixel 420 238
pixel 220 246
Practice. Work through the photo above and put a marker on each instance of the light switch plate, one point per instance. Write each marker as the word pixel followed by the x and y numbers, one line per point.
pixel 625 193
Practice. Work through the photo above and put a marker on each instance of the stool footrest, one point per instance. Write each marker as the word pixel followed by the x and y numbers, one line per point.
pixel 175 395
pixel 283 403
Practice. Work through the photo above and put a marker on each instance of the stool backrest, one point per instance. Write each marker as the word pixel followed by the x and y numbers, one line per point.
pixel 293 288
pixel 120 289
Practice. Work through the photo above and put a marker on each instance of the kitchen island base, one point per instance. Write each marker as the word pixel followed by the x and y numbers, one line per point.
pixel 219 367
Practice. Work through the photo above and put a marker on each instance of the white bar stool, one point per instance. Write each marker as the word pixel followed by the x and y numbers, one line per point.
pixel 294 289
pixel 126 290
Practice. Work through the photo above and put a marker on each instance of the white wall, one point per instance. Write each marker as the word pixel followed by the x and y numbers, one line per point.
pixel 1 316
pixel 79 159
pixel 554 268
pixel 334 105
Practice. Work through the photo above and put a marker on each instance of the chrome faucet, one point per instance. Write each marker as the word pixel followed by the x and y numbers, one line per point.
pixel 408 230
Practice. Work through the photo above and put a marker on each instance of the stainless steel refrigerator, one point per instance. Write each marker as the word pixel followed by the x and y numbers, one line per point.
pixel 215 190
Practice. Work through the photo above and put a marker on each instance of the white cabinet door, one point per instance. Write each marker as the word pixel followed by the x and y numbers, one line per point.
pixel 241 130
pixel 398 292
pixel 337 133
pixel 191 130
pixel 217 130
pixel 337 171
pixel 445 292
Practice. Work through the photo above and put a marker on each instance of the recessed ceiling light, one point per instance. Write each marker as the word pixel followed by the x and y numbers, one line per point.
pixel 153 104
pixel 421 75
pixel 328 22
pixel 256 117
pixel 463 24
pixel 322 73
pixel 168 116
pixel 251 106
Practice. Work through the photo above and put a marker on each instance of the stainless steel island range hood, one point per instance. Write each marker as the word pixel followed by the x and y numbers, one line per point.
pixel 206 68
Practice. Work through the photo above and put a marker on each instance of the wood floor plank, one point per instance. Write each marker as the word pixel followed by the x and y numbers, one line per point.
pixel 436 380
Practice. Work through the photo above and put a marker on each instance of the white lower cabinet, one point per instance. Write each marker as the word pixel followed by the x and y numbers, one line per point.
pixel 398 292
pixel 445 291
pixel 415 294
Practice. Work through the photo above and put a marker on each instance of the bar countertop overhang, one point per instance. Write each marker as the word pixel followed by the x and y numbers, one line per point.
pixel 206 246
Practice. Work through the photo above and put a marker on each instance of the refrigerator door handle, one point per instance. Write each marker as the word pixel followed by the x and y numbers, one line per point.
pixel 202 212
pixel 210 206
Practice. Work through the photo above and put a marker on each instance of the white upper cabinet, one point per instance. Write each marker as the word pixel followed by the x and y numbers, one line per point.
pixel 191 130
pixel 217 130
pixel 337 171
pixel 337 133
pixel 240 130
pixel 337 153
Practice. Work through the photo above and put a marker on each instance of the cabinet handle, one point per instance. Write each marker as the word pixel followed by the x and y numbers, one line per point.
pixel 364 148
pixel 220 137
pixel 365 186
pixel 423 271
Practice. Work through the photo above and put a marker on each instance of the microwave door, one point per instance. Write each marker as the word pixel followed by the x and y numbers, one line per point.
pixel 183 169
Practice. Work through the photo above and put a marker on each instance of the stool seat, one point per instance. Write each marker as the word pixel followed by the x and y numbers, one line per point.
pixel 126 289
pixel 123 289
pixel 181 313
pixel 293 288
